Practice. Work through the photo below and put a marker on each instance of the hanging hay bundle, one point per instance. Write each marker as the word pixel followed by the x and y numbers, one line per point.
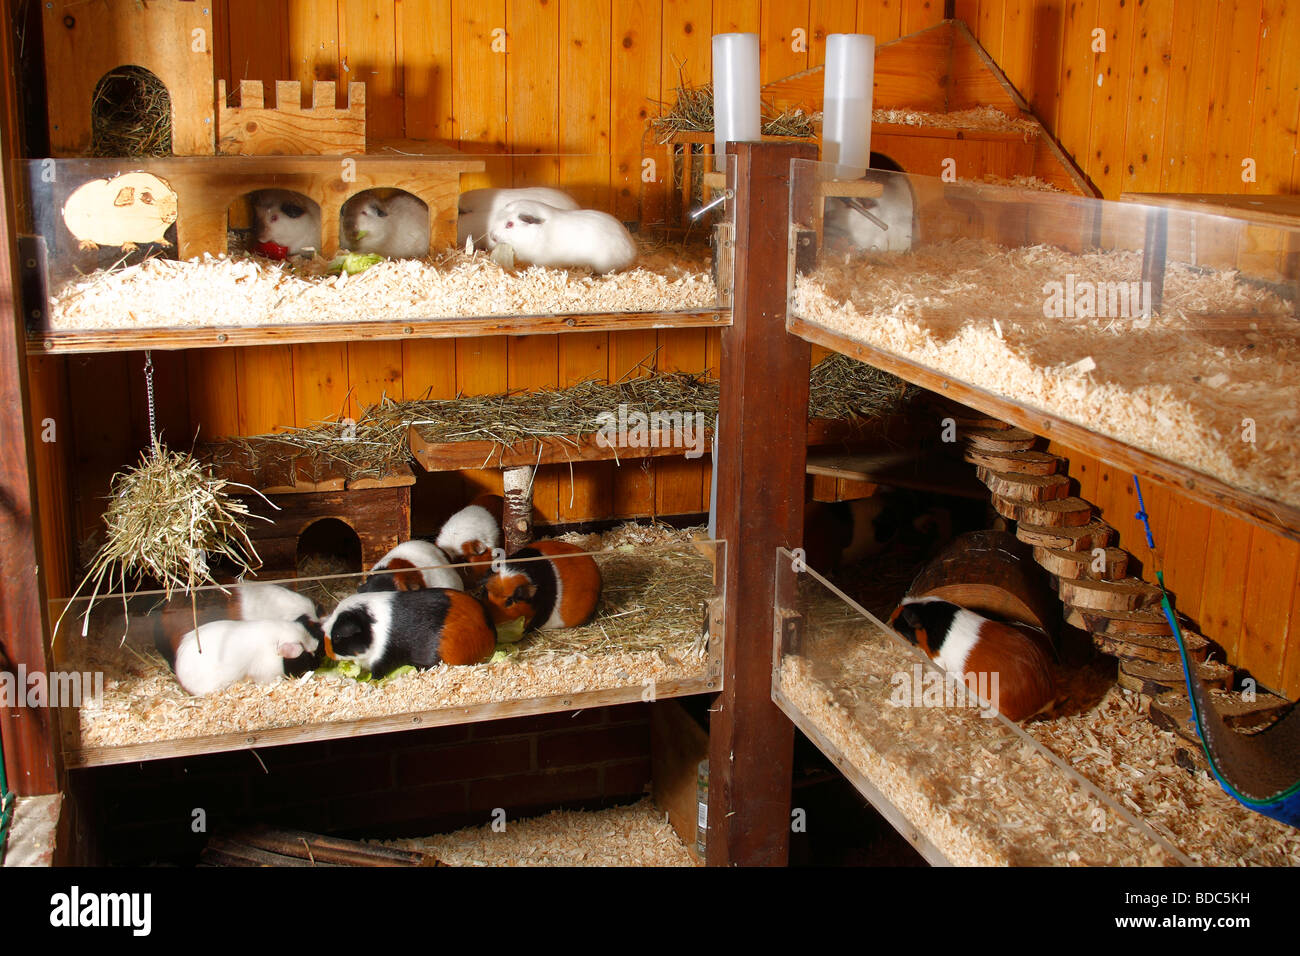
pixel 166 519
pixel 131 115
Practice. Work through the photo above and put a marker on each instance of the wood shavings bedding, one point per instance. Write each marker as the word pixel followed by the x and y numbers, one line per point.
pixel 1178 385
pixel 223 292
pixel 978 792
pixel 650 616
pixel 988 118
pixel 636 835
pixel 1112 742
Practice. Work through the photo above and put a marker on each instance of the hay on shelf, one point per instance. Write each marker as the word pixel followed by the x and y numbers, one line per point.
pixel 131 115
pixel 370 447
pixel 692 112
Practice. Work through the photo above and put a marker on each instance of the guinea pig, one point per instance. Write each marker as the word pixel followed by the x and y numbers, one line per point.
pixel 220 653
pixel 542 235
pixel 286 219
pixel 476 208
pixel 396 226
pixel 261 601
pixel 473 531
pixel 836 534
pixel 881 225
pixel 412 565
pixel 965 644
pixel 385 630
pixel 555 592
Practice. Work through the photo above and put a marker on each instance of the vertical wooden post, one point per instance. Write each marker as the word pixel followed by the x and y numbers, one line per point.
pixel 762 437
pixel 30 734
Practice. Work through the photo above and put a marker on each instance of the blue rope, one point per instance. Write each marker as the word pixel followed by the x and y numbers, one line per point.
pixel 1281 806
pixel 6 805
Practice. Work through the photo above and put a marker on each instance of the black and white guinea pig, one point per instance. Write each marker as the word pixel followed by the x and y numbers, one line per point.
pixel 966 644
pixel 286 219
pixel 474 531
pixel 410 566
pixel 476 208
pixel 542 235
pixel 221 653
pixel 837 534
pixel 385 630
pixel 882 225
pixel 560 591
pixel 396 226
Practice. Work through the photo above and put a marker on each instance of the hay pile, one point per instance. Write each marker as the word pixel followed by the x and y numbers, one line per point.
pixel 131 115
pixel 373 446
pixel 692 112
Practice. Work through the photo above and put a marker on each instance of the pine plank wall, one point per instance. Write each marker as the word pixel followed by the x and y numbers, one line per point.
pixel 1182 93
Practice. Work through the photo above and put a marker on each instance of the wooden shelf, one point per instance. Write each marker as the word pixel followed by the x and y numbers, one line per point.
pixel 1258 509
pixel 75 756
pixel 127 340
pixel 923 472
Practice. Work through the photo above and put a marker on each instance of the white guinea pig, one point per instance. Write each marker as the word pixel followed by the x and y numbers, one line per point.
pixel 413 565
pixel 476 208
pixel 396 226
pixel 286 219
pixel 542 235
pixel 896 208
pixel 221 653
pixel 272 602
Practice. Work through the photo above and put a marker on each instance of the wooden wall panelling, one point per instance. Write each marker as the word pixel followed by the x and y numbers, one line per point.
pixel 827 17
pixel 989 27
pixel 532 361
pixel 424 55
pixel 320 377
pixel 479 87
pixel 1185 550
pixel 585 102
pixel 736 16
pixel 1148 96
pixel 266 392
pixel 1105 158
pixel 368 51
pixel 634 493
pixel 171 399
pixel 1291 655
pixel 481 370
pixel 1266 615
pixel 102 439
pixel 214 393
pixel 532 91
pixel 781 55
pixel 1273 129
pixel 428 369
pixel 1072 109
pixel 586 493
pixel 47 383
pixel 1189 92
pixel 883 19
pixel 1017 43
pixel 635 81
pixel 374 370
pixel 257 33
pixel 1223 591
pixel 919 14
pixel 679 482
pixel 312 34
pixel 1236 50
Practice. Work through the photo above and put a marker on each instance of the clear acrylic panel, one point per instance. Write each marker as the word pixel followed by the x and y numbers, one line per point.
pixel 1168 329
pixel 242 241
pixel 966 785
pixel 648 637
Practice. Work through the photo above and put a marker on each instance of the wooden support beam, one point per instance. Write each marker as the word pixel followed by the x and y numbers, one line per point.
pixel 30 734
pixel 762 438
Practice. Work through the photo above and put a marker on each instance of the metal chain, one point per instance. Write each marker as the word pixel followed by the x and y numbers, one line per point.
pixel 148 380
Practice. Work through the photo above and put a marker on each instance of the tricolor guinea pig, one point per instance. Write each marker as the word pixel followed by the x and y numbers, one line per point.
pixel 542 235
pixel 964 643
pixel 284 218
pixel 220 653
pixel 555 591
pixel 475 209
pixel 836 534
pixel 410 566
pixel 396 226
pixel 473 531
pixel 385 630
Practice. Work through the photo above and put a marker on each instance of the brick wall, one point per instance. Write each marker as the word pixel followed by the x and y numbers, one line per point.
pixel 412 783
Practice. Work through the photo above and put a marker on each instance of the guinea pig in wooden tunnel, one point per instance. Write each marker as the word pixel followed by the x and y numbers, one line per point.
pixel 559 587
pixel 385 630
pixel 967 645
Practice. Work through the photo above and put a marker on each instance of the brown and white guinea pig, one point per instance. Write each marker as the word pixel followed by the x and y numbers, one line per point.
pixel 474 531
pixel 476 208
pixel 385 630
pixel 836 534
pixel 286 219
pixel 396 226
pixel 220 653
pixel 966 644
pixel 542 235
pixel 410 566
pixel 554 591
